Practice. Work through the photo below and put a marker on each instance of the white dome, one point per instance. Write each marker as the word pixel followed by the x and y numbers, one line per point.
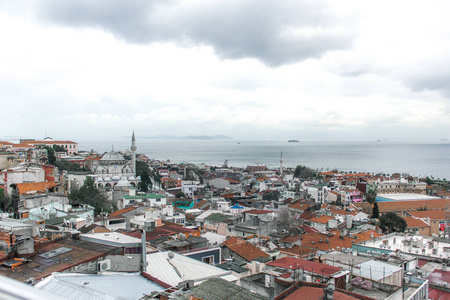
pixel 112 156
pixel 138 178
pixel 115 177
pixel 107 179
pixel 123 183
pixel 131 178
pixel 99 179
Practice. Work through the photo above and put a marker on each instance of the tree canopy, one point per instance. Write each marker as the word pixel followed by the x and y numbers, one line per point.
pixel 371 196
pixel 391 222
pixel 375 211
pixel 50 155
pixel 63 164
pixel 143 170
pixel 304 172
pixel 89 194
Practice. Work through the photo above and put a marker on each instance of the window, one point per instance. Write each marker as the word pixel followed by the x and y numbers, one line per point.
pixel 208 259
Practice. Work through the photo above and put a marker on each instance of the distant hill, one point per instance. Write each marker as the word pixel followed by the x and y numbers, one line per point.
pixel 207 137
pixel 190 137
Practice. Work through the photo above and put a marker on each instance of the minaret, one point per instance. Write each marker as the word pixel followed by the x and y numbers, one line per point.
pixel 133 153
pixel 281 164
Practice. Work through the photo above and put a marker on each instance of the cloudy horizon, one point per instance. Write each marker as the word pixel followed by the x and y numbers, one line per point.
pixel 307 70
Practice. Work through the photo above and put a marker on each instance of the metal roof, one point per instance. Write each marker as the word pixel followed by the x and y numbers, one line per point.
pixel 180 268
pixel 69 290
pixel 107 285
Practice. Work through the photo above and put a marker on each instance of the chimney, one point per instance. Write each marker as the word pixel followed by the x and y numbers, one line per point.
pixel 328 292
pixel 144 251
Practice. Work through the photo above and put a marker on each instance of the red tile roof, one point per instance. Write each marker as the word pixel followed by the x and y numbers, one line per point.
pixel 232 240
pixel 259 211
pixel 291 239
pixel 394 206
pixel 322 219
pixel 247 250
pixel 299 205
pixel 38 187
pixel 312 240
pixel 310 266
pixel 432 214
pixel 122 211
pixel 309 292
pixel 415 222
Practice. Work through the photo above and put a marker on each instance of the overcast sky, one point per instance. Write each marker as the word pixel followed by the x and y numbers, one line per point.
pixel 249 69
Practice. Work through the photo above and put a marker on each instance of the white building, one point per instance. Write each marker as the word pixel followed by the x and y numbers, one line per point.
pixel 23 173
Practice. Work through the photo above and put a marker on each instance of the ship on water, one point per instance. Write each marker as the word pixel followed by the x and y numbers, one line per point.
pixel 294 141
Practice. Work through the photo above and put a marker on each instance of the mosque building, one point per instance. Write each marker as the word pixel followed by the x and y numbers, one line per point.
pixel 114 171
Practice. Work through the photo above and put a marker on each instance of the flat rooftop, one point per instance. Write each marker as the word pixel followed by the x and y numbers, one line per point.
pixel 404 197
pixel 68 253
pixel 121 285
pixel 414 245
pixel 112 238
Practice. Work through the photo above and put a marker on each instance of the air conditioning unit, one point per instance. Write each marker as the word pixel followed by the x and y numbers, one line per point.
pixel 104 265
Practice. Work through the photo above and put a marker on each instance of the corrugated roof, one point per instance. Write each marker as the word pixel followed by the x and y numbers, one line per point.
pixel 69 290
pixel 180 268
pixel 117 285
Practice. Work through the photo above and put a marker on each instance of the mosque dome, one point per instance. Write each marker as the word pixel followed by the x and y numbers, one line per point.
pixel 114 156
pixel 115 178
pixel 123 183
pixel 107 179
pixel 99 179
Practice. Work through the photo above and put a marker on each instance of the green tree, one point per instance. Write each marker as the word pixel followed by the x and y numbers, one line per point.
pixel 89 194
pixel 143 170
pixel 375 211
pixel 391 222
pixel 179 195
pixel 63 164
pixel 5 203
pixel 304 172
pixel 50 155
pixel 371 196
pixel 59 148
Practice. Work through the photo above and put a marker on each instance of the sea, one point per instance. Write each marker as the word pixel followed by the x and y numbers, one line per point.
pixel 388 157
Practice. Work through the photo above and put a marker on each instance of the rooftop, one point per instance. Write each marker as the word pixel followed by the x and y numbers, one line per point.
pixel 219 289
pixel 415 245
pixel 174 269
pixel 35 187
pixel 41 266
pixel 248 251
pixel 112 238
pixel 306 265
pixel 101 286
pixel 432 214
pixel 404 197
pixel 413 222
pixel 218 217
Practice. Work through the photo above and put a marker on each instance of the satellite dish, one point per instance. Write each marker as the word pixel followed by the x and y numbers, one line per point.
pixel 171 255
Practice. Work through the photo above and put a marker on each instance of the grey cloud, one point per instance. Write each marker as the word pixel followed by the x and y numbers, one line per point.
pixel 438 80
pixel 274 32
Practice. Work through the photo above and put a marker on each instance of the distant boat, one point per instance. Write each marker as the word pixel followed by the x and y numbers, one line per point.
pixel 378 141
pixel 294 141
